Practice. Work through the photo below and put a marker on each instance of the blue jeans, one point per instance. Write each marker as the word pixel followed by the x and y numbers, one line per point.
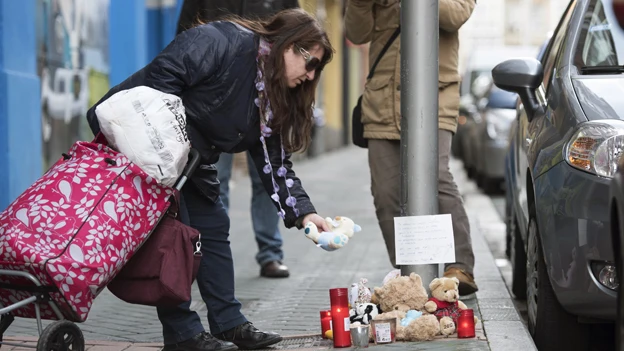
pixel 264 216
pixel 215 277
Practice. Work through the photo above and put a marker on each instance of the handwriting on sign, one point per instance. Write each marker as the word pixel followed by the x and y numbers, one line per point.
pixel 424 239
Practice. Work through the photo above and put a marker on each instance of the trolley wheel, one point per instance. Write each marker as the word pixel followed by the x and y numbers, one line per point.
pixel 5 323
pixel 61 336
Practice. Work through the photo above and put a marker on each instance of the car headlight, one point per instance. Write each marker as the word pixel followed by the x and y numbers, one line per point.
pixel 596 148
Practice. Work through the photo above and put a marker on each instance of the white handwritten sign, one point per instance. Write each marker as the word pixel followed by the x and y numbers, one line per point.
pixel 424 239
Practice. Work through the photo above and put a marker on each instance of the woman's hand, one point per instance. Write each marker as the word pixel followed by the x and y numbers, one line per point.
pixel 317 220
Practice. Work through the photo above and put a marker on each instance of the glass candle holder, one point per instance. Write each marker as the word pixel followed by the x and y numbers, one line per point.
pixel 326 322
pixel 465 324
pixel 384 330
pixel 340 317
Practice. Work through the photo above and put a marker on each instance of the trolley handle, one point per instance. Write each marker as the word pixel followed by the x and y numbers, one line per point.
pixel 194 159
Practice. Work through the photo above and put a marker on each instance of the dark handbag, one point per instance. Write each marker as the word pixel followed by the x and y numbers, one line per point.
pixel 357 127
pixel 162 271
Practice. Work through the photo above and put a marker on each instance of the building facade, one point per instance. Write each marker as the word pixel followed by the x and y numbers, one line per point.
pixel 59 57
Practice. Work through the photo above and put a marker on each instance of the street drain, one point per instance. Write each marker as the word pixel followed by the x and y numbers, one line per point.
pixel 301 342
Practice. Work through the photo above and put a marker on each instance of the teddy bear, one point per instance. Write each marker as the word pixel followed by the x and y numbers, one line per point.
pixel 344 225
pixel 445 304
pixel 401 292
pixel 422 328
pixel 399 295
pixel 342 228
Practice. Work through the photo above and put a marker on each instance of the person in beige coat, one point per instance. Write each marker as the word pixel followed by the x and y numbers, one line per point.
pixel 374 21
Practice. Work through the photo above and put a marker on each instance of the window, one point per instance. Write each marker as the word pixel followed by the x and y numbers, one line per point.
pixel 599 38
pixel 548 61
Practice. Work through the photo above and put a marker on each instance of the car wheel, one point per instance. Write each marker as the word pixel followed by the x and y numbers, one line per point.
pixel 490 186
pixel 547 320
pixel 471 172
pixel 508 228
pixel 518 261
pixel 480 178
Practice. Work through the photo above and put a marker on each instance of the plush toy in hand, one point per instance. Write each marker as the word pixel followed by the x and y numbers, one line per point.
pixel 445 303
pixel 342 228
pixel 343 225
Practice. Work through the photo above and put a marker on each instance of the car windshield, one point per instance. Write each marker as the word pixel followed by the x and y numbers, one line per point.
pixel 501 99
pixel 601 41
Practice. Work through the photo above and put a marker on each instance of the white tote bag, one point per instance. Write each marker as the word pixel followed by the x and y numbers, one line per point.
pixel 149 127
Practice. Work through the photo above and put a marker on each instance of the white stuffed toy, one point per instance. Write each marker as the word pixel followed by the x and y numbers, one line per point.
pixel 342 228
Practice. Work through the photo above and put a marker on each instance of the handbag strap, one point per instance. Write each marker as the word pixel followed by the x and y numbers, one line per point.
pixel 383 51
pixel 174 207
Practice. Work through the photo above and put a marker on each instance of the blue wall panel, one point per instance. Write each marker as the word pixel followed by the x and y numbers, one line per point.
pixel 20 115
pixel 128 38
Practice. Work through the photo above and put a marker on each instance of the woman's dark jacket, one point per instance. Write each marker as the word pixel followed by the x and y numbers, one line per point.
pixel 212 67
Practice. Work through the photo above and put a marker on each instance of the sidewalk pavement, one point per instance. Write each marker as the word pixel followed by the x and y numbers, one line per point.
pixel 338 184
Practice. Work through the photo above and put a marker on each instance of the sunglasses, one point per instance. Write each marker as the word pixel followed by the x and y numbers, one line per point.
pixel 312 62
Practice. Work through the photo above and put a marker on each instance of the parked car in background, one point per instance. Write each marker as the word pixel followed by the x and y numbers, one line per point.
pixel 476 83
pixel 569 134
pixel 492 138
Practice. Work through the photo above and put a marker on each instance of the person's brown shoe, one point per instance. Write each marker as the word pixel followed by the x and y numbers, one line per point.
pixel 467 284
pixel 274 269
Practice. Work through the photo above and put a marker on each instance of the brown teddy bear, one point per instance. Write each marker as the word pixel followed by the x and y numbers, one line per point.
pixel 445 304
pixel 396 297
pixel 406 293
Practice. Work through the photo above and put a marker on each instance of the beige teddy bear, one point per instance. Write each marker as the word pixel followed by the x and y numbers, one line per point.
pixel 396 297
pixel 445 304
pixel 406 293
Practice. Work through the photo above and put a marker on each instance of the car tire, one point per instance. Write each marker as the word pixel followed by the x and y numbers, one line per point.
pixel 490 186
pixel 480 178
pixel 518 260
pixel 508 228
pixel 551 327
pixel 470 172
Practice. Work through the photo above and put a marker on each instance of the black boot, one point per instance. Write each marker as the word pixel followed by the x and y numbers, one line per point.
pixel 202 342
pixel 247 337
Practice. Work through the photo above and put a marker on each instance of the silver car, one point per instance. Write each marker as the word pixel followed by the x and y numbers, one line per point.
pixel 492 138
pixel 569 136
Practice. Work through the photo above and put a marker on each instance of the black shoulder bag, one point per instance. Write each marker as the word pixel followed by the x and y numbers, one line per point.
pixel 357 128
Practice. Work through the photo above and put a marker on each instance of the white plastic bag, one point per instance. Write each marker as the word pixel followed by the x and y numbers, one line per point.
pixel 149 127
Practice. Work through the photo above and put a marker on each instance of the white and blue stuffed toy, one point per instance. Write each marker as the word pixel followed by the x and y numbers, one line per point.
pixel 342 228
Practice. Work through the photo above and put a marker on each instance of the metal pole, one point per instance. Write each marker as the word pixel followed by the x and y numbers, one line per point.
pixel 419 121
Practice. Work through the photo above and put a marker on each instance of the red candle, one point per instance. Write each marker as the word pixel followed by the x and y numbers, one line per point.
pixel 465 324
pixel 326 322
pixel 340 317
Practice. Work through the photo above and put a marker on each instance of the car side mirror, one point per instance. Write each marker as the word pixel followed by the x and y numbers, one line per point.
pixel 521 76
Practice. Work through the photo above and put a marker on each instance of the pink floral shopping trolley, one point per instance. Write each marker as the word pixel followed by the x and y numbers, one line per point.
pixel 67 236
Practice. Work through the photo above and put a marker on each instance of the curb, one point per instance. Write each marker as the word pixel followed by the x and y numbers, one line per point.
pixel 503 325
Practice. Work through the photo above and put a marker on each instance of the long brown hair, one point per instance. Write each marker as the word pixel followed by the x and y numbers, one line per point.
pixel 291 107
